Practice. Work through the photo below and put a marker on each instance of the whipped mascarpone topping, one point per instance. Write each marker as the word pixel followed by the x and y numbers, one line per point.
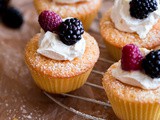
pixel 69 1
pixel 123 21
pixel 51 46
pixel 135 78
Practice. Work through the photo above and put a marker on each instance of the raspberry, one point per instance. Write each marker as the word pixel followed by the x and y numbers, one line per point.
pixel 49 21
pixel 140 9
pixel 131 58
pixel 12 18
pixel 151 64
pixel 70 31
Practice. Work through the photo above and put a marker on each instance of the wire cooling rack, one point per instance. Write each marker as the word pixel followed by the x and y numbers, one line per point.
pixel 94 101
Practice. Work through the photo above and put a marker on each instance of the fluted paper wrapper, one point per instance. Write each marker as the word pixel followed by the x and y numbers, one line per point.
pixel 59 85
pixel 114 51
pixel 127 110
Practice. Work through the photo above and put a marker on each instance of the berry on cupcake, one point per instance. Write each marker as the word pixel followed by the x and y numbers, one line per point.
pixel 131 57
pixel 140 9
pixel 71 31
pixel 66 41
pixel 49 21
pixel 151 64
pixel 138 67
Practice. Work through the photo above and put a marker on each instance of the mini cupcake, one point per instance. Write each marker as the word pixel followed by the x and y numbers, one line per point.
pixel 84 10
pixel 59 58
pixel 133 84
pixel 131 21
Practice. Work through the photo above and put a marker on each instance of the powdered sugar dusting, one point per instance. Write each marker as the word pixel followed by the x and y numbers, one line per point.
pixel 128 92
pixel 62 68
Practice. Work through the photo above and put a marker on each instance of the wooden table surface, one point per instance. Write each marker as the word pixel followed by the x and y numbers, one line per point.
pixel 21 99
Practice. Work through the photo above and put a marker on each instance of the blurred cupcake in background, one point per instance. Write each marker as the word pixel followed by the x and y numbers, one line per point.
pixel 131 21
pixel 84 10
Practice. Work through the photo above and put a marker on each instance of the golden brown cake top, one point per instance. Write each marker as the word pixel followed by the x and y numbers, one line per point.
pixel 127 92
pixel 118 38
pixel 60 69
pixel 67 10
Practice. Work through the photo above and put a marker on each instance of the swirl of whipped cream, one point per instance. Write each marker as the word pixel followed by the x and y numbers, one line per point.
pixel 123 21
pixel 51 46
pixel 69 1
pixel 135 78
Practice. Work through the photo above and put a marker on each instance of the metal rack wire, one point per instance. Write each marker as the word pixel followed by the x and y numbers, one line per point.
pixel 86 116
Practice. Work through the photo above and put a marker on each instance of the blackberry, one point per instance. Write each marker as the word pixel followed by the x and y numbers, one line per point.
pixel 151 64
pixel 12 18
pixel 70 31
pixel 140 9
